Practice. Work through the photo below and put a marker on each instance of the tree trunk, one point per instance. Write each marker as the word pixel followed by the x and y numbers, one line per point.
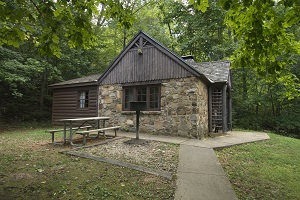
pixel 244 82
pixel 124 38
pixel 43 89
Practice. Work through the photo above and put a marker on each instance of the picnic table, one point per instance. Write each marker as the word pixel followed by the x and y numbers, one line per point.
pixel 91 124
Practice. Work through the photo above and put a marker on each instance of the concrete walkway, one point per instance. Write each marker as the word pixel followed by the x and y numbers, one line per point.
pixel 199 173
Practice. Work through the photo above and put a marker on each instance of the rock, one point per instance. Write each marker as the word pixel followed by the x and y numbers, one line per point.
pixel 181 110
pixel 119 107
pixel 193 90
pixel 129 122
pixel 108 113
pixel 107 100
pixel 183 129
pixel 158 125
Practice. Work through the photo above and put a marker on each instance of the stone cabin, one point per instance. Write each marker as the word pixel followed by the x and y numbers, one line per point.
pixel 183 98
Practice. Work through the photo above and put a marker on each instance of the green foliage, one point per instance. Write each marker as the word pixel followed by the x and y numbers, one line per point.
pixel 20 83
pixel 268 46
pixel 202 35
pixel 18 20
pixel 267 42
pixel 24 78
pixel 259 104
pixel 200 4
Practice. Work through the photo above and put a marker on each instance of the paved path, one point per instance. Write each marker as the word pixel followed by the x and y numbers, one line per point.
pixel 199 174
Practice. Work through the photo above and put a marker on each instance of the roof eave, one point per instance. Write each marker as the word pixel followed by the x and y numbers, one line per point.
pixel 73 85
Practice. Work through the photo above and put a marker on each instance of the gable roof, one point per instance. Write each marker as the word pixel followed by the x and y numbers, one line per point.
pixel 162 48
pixel 208 72
pixel 83 81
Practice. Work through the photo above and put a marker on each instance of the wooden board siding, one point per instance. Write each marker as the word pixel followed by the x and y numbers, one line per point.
pixel 65 103
pixel 151 65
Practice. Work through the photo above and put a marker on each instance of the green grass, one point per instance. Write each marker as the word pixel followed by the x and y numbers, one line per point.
pixel 32 168
pixel 264 170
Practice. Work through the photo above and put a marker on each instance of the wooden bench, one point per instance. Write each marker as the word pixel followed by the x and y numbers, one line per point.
pixel 85 133
pixel 60 130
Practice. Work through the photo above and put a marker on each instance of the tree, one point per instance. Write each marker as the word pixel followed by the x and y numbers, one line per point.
pixel 18 20
pixel 267 43
pixel 202 35
pixel 20 80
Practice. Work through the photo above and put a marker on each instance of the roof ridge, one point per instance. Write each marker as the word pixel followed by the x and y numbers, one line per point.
pixel 215 61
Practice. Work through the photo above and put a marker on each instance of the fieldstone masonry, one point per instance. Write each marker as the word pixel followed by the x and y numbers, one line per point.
pixel 184 109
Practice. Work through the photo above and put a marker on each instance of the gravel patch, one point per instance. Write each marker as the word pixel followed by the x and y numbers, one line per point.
pixel 151 154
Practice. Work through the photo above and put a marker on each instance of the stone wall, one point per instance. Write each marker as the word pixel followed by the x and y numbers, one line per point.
pixel 184 109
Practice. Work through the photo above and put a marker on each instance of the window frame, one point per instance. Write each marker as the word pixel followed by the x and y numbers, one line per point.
pixel 83 101
pixel 135 94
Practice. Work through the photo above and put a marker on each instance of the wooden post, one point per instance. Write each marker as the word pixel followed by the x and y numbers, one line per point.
pixel 224 110
pixel 65 133
pixel 229 109
pixel 138 106
pixel 137 124
pixel 209 108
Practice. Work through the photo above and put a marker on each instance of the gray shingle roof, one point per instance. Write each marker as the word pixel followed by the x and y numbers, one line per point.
pixel 216 71
pixel 87 79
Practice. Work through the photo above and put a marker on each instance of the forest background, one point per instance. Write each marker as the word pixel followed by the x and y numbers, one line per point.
pixel 45 41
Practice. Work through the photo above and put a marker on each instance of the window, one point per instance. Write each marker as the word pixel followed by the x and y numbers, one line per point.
pixel 128 94
pixel 149 94
pixel 83 101
pixel 154 98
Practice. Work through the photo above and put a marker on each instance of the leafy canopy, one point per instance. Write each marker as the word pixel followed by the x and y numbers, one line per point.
pixel 265 31
pixel 43 21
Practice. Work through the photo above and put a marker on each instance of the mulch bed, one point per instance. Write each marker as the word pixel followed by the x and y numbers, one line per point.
pixel 145 155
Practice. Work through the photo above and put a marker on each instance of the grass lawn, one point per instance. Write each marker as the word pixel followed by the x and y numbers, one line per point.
pixel 264 170
pixel 32 168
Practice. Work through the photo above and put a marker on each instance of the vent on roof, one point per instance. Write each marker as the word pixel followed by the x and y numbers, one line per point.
pixel 188 58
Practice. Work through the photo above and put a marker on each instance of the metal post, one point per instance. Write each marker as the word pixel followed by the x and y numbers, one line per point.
pixel 137 124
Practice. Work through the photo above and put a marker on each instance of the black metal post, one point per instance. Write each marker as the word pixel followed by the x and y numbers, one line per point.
pixel 137 124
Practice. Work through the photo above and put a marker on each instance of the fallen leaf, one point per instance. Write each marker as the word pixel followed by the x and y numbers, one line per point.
pixel 40 170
